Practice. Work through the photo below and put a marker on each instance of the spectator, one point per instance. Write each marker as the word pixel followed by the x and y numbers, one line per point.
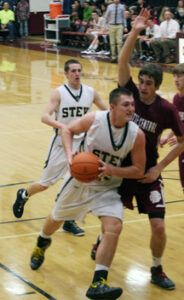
pixel 87 11
pixel 97 27
pixel 12 4
pixel 22 12
pixel 162 47
pixel 139 5
pixel 67 7
pixel 179 13
pixel 161 15
pixel 152 33
pixel 7 18
pixel 115 19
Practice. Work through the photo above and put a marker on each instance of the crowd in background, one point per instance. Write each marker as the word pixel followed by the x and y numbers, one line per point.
pixel 157 42
pixel 14 15
pixel 94 18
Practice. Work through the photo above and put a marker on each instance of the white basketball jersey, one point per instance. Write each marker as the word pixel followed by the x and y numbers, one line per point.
pixel 109 143
pixel 74 106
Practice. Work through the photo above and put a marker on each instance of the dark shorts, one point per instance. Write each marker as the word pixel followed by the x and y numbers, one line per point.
pixel 149 197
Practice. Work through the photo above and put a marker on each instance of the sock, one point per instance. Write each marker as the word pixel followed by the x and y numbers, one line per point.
pixel 100 237
pixel 25 195
pixel 101 271
pixel 43 235
pixel 156 261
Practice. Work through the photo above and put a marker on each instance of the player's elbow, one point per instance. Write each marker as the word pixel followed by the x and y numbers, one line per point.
pixel 140 170
pixel 139 173
pixel 43 119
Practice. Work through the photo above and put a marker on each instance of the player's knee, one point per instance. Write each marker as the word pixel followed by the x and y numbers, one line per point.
pixel 44 188
pixel 158 229
pixel 114 229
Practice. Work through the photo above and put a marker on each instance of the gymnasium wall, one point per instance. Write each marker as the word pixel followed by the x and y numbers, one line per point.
pixel 37 9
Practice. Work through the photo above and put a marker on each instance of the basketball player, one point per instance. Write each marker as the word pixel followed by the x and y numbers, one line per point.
pixel 153 114
pixel 178 101
pixel 110 135
pixel 68 102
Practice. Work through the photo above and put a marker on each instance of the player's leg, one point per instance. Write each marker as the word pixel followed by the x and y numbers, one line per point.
pixel 54 169
pixel 111 220
pixel 153 203
pixel 43 242
pixel 23 196
pixel 127 190
pixel 63 209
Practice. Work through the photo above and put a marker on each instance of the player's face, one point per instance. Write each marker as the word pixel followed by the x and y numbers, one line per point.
pixel 123 111
pixel 179 82
pixel 74 75
pixel 147 89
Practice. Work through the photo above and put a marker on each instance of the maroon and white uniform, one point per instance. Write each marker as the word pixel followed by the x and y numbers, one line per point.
pixel 178 101
pixel 153 119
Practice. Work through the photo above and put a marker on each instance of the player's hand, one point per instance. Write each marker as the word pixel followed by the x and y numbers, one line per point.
pixel 151 175
pixel 105 169
pixel 140 21
pixel 163 141
pixel 172 141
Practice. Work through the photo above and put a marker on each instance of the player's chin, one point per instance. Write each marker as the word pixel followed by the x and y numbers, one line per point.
pixel 129 118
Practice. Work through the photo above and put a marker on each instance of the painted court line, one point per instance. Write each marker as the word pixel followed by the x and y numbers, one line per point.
pixel 86 227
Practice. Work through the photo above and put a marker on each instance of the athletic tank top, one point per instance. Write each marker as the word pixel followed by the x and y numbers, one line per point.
pixel 74 106
pixel 109 143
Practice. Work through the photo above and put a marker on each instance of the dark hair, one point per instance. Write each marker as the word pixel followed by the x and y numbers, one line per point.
pixel 116 93
pixel 154 71
pixel 70 62
pixel 178 69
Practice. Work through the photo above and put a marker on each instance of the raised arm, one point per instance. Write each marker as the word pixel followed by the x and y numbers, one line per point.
pixel 126 52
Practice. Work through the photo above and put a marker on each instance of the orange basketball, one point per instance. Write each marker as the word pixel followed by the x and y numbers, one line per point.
pixel 85 166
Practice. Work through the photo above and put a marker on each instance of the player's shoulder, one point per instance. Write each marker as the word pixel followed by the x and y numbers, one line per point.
pixel 133 125
pixel 163 103
pixel 87 87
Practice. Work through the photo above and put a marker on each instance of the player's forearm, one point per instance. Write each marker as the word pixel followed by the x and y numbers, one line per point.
pixel 134 172
pixel 175 152
pixel 67 141
pixel 128 47
pixel 48 120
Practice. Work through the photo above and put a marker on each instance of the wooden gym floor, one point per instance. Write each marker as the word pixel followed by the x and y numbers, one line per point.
pixel 26 80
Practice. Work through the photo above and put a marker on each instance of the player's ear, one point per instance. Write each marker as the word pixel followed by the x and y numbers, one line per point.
pixel 111 106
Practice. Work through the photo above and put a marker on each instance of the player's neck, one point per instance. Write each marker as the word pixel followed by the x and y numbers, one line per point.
pixel 74 86
pixel 149 101
pixel 181 93
pixel 117 123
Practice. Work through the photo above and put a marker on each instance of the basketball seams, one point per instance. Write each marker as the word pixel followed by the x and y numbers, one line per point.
pixel 85 166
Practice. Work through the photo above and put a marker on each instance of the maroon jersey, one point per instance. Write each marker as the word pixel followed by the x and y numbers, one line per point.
pixel 153 119
pixel 178 101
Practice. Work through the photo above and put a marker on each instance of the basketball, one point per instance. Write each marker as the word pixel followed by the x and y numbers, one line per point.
pixel 85 166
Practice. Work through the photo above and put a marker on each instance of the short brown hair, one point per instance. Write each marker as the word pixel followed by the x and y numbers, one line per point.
pixel 178 69
pixel 70 62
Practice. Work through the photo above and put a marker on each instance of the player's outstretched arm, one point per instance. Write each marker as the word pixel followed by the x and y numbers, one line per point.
pixel 126 52
pixel 153 173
